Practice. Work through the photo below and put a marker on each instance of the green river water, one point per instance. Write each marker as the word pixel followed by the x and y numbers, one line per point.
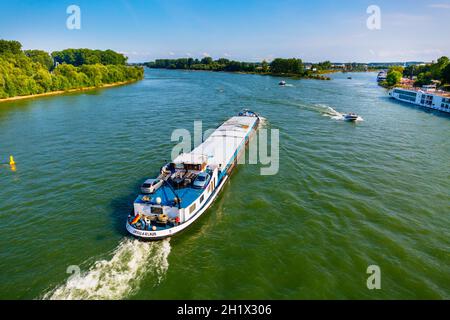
pixel 347 195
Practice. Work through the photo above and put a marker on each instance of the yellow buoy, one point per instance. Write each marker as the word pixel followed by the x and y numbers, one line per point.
pixel 12 163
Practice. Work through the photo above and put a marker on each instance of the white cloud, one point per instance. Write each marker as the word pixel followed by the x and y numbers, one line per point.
pixel 267 58
pixel 206 54
pixel 133 53
pixel 171 53
pixel 403 19
pixel 440 6
pixel 409 54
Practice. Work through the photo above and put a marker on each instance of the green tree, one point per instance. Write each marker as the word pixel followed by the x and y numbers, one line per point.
pixel 424 78
pixel 287 66
pixel 437 68
pixel 206 60
pixel 43 79
pixel 443 62
pixel 10 46
pixel 26 73
pixel 41 57
pixel 446 74
pixel 399 69
pixel 265 66
pixel 326 65
pixel 410 71
pixel 393 78
pixel 78 57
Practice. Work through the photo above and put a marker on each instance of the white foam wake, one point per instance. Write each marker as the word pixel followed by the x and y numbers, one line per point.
pixel 328 111
pixel 120 276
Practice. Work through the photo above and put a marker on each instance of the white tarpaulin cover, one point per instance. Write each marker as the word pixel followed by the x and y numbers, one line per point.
pixel 221 145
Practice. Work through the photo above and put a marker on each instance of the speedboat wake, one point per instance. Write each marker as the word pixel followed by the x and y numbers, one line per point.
pixel 328 111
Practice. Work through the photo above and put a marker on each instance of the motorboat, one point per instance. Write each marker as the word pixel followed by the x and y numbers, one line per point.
pixel 350 116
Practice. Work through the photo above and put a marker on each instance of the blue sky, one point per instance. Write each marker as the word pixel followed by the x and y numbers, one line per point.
pixel 250 30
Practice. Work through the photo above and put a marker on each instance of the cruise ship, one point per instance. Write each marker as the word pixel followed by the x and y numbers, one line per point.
pixel 431 99
pixel 187 186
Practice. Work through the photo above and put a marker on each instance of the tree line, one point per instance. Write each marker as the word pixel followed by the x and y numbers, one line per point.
pixel 78 57
pixel 421 74
pixel 27 72
pixel 279 66
pixel 207 63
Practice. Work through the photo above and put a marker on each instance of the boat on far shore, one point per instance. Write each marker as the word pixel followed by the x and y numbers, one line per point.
pixel 382 75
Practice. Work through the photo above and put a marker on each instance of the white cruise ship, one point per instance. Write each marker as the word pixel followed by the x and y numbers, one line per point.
pixel 435 100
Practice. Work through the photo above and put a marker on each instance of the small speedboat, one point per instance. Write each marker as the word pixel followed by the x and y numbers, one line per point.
pixel 282 83
pixel 248 113
pixel 350 116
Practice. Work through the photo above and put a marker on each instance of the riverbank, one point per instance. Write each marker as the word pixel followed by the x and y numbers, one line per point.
pixel 58 92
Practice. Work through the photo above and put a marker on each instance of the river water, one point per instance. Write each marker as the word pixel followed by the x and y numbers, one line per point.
pixel 346 196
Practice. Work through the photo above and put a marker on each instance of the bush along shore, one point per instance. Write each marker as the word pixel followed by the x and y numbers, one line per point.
pixel 292 68
pixel 30 73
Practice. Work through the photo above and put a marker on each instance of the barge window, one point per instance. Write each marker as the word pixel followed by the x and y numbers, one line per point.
pixel 192 208
pixel 202 198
